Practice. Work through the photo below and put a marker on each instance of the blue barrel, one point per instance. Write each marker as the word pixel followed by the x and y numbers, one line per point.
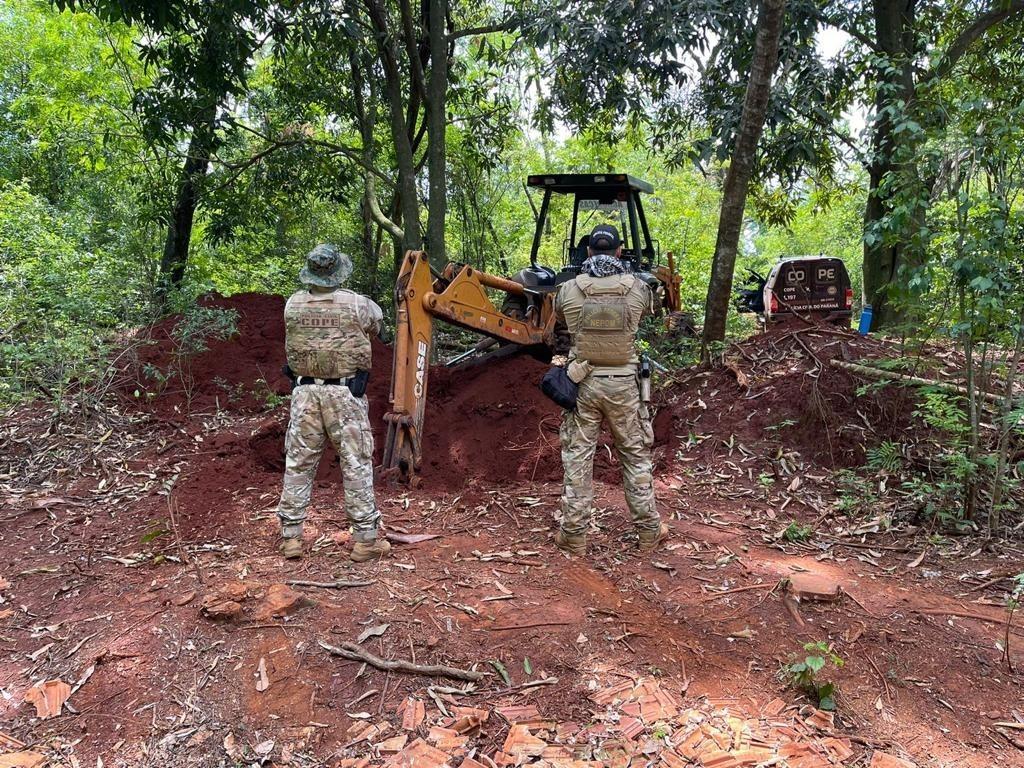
pixel 865 320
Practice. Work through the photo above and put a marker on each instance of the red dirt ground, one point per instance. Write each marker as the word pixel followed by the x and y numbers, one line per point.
pixel 108 565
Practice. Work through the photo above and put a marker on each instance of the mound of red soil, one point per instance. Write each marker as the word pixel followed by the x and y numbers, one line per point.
pixel 487 422
pixel 227 375
pixel 791 398
pixel 491 423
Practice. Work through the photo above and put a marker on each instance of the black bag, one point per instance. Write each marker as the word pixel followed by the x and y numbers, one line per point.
pixel 557 385
pixel 357 384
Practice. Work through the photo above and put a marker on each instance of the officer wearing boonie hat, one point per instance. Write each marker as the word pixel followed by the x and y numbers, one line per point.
pixel 327 340
pixel 602 308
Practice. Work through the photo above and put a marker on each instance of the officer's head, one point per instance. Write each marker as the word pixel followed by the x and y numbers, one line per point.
pixel 604 241
pixel 604 253
pixel 326 267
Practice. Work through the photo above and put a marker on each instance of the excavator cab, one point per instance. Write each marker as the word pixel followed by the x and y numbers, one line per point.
pixel 614 198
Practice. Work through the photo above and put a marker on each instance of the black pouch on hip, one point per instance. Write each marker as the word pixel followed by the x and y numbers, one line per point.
pixel 557 385
pixel 357 384
pixel 290 374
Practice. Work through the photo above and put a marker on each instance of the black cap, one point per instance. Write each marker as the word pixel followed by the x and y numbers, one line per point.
pixel 604 239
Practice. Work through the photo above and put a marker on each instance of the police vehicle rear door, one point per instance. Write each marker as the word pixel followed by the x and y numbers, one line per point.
pixel 811 285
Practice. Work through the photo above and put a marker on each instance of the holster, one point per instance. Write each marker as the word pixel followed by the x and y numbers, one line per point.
pixel 644 375
pixel 358 383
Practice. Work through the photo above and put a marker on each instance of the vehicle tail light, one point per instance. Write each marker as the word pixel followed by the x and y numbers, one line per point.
pixel 774 305
pixel 849 297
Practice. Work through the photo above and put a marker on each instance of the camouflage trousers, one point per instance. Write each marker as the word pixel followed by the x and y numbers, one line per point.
pixel 617 401
pixel 319 412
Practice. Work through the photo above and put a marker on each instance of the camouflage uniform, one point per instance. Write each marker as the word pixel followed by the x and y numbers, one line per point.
pixel 602 315
pixel 327 336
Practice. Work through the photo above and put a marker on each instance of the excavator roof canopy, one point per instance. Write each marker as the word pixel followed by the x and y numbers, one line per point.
pixel 583 183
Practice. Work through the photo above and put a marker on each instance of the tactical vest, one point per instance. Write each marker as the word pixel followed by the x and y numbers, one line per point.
pixel 607 325
pixel 323 335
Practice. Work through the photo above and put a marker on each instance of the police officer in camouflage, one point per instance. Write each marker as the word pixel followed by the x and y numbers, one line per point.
pixel 327 340
pixel 602 309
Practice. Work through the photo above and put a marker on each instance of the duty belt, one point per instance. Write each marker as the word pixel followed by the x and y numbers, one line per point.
pixel 303 380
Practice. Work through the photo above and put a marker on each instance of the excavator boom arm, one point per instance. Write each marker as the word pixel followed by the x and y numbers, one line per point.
pixel 458 298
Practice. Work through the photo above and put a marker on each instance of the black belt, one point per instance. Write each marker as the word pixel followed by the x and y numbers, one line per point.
pixel 614 375
pixel 303 380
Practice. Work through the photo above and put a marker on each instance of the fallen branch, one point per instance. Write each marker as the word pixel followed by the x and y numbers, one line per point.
pixel 963 615
pixel 524 686
pixel 353 652
pixel 885 683
pixel 510 627
pixel 862 606
pixel 734 590
pixel 328 584
pixel 904 378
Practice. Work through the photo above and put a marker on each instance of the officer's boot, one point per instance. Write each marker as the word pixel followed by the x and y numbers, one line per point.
pixel 291 548
pixel 573 543
pixel 651 539
pixel 363 551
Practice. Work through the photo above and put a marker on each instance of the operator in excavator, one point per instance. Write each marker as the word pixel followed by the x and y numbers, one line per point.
pixel 602 309
pixel 327 340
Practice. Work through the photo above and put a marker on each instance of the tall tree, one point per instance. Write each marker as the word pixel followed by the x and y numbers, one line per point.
pixel 741 167
pixel 901 50
pixel 202 52
pixel 899 79
pixel 387 107
pixel 437 115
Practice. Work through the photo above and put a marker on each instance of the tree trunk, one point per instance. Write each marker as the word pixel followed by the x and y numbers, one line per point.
pixel 437 92
pixel 894 29
pixel 179 230
pixel 741 167
pixel 411 236
pixel 412 239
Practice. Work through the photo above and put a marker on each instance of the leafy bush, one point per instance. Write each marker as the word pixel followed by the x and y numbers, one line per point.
pixel 887 456
pixel 191 336
pixel 59 301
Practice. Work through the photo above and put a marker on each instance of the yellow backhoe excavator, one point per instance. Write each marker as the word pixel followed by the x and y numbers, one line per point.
pixel 524 317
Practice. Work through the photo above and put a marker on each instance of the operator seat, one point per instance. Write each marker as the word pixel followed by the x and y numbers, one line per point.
pixel 579 254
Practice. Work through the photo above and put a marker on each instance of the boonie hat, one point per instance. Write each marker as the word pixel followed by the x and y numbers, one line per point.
pixel 326 267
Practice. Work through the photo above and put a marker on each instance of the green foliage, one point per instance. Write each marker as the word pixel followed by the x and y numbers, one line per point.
pixel 854 493
pixel 192 333
pixel 271 400
pixel 803 673
pixel 941 411
pixel 797 531
pixel 1018 591
pixel 887 456
pixel 156 530
pixel 59 301
pixel 826 220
